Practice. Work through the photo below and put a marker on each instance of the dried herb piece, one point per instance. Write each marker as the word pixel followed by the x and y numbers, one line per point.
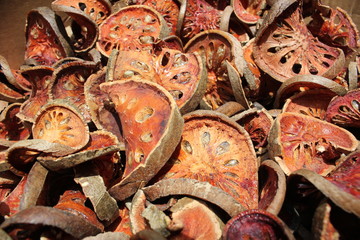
pixel 299 141
pixel 131 28
pixel 61 122
pixel 248 11
pixel 151 124
pixel 345 110
pixel 256 224
pixel 11 203
pixel 137 221
pixel 45 43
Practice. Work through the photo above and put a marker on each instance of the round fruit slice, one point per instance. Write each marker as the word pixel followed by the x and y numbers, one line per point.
pixel 217 48
pixel 97 10
pixel 248 11
pixel 68 83
pixel 45 44
pixel 131 28
pixel 312 102
pixel 61 122
pixel 298 141
pixel 40 78
pixel 151 125
pixel 256 224
pixel 345 110
pixel 217 150
pixel 284 47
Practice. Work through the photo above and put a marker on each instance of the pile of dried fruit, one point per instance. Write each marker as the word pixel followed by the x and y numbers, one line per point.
pixel 191 119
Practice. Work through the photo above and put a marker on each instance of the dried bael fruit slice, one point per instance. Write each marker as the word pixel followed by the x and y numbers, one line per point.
pixel 61 122
pixel 101 113
pixel 304 82
pixel 97 10
pixel 85 31
pixel 12 76
pixel 195 220
pixel 248 11
pixel 32 219
pixel 194 188
pixel 217 150
pixel 257 123
pixel 68 83
pixel 40 78
pixel 256 224
pixel 345 110
pixel 131 28
pixel 45 43
pixel 284 47
pixel 11 203
pixel 101 143
pixel 152 126
pixel 169 9
pixel 8 92
pixel 322 228
pixel 272 187
pixel 298 141
pixel 11 127
pixel 346 201
pixel 218 48
pixel 312 102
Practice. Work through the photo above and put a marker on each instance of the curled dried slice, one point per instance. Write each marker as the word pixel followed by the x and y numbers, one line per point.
pixel 97 10
pixel 257 123
pixel 343 199
pixel 84 30
pixel 256 224
pixel 101 113
pixel 312 102
pixel 45 43
pixel 248 11
pixel 217 150
pixel 272 187
pixel 298 141
pixel 151 124
pixel 284 47
pixel 8 92
pixel 12 77
pixel 195 219
pixel 11 127
pixel 68 83
pixel 345 110
pixel 40 78
pixel 194 188
pixel 131 28
pixel 101 143
pixel 305 82
pixel 322 228
pixel 61 122
pixel 217 48
pixel 11 203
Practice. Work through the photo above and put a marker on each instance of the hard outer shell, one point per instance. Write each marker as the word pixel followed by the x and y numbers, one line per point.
pixel 122 31
pixel 298 141
pixel 45 43
pixel 345 110
pixel 196 219
pixel 215 149
pixel 256 224
pixel 152 126
pixel 60 122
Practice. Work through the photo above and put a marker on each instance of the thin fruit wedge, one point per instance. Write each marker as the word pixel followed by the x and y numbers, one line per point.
pixel 11 127
pixel 284 47
pixel 217 150
pixel 151 125
pixel 45 43
pixel 133 27
pixel 248 11
pixel 61 122
pixel 298 141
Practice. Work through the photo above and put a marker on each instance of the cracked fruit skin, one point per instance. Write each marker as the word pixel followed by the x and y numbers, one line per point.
pixel 298 141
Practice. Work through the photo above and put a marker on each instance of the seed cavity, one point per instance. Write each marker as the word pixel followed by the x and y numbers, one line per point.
pixel 355 104
pixel 65 121
pixel 131 103
pixel 147 39
pixel 47 124
pixel 231 174
pixel 146 137
pixel 139 155
pixel 223 148
pixel 231 163
pixel 128 74
pixel 145 113
pixel 205 138
pixel 176 94
pixel 187 146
